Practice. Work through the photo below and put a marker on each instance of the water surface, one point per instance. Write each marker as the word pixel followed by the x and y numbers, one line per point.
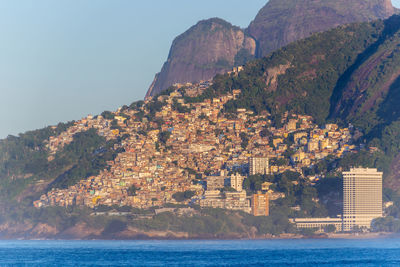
pixel 367 252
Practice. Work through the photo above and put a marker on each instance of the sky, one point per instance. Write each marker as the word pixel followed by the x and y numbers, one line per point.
pixel 62 60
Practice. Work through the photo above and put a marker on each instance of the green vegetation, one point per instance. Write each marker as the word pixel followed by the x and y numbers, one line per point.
pixel 330 228
pixel 164 136
pixel 387 224
pixel 136 105
pixel 218 223
pixel 275 224
pixel 313 67
pixel 24 162
pixel 26 154
pixel 115 126
pixel 245 140
pixel 298 192
pixel 242 57
pixel 182 196
pixel 132 190
pixel 87 154
pixel 167 92
pixel 107 115
pixel 153 107
pixel 179 107
pixel 206 223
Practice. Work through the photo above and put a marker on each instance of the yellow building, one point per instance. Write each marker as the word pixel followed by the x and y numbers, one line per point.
pixel 120 118
pixel 324 144
pixel 312 145
pixel 265 186
pixel 298 156
pixel 292 125
pixel 298 136
pixel 277 141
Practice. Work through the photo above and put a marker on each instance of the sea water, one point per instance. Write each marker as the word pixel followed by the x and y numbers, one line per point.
pixel 313 252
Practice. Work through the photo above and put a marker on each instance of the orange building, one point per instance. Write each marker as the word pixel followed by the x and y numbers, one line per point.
pixel 260 204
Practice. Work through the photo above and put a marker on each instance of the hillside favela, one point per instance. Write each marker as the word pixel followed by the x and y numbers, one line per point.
pixel 286 138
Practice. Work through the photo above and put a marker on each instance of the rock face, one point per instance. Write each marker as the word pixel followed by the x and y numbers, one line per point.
pixel 215 46
pixel 210 47
pixel 281 22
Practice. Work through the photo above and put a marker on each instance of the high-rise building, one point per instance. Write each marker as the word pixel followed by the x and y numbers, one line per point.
pixel 258 166
pixel 237 182
pixel 362 197
pixel 260 204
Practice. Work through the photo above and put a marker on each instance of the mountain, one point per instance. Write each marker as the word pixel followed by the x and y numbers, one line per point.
pixel 211 46
pixel 281 22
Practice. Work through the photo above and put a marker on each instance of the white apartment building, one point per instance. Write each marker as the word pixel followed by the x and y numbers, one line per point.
pixel 318 223
pixel 362 197
pixel 258 166
pixel 237 182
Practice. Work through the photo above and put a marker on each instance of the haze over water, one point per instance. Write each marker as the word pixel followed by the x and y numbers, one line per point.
pixel 305 252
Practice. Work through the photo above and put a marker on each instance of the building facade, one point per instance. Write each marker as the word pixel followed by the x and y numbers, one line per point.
pixel 258 166
pixel 227 200
pixel 362 197
pixel 318 223
pixel 260 205
pixel 217 182
pixel 237 182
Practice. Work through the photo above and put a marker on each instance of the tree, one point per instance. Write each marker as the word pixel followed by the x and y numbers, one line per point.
pixel 107 115
pixel 330 228
pixel 182 196
pixel 253 182
pixel 308 231
pixel 114 125
pixel 265 133
pixel 386 224
pixel 179 107
pixel 136 105
pixel 132 190
pixel 245 140
pixel 164 136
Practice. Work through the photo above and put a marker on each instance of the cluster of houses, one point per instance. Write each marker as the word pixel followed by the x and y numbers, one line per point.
pixel 204 152
pixel 99 123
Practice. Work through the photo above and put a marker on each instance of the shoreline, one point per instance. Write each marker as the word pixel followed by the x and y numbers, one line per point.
pixel 335 236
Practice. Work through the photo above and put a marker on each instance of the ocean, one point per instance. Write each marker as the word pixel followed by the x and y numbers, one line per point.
pixel 304 252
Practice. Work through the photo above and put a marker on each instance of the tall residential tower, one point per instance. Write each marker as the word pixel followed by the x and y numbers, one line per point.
pixel 258 166
pixel 362 197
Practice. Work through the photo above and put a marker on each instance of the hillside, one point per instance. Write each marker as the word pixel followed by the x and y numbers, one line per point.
pixel 314 108
pixel 214 46
pixel 347 75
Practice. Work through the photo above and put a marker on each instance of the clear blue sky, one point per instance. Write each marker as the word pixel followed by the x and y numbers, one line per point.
pixel 63 59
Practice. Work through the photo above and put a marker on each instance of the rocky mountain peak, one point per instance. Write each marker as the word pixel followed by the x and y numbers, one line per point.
pixel 215 46
pixel 281 22
pixel 210 47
